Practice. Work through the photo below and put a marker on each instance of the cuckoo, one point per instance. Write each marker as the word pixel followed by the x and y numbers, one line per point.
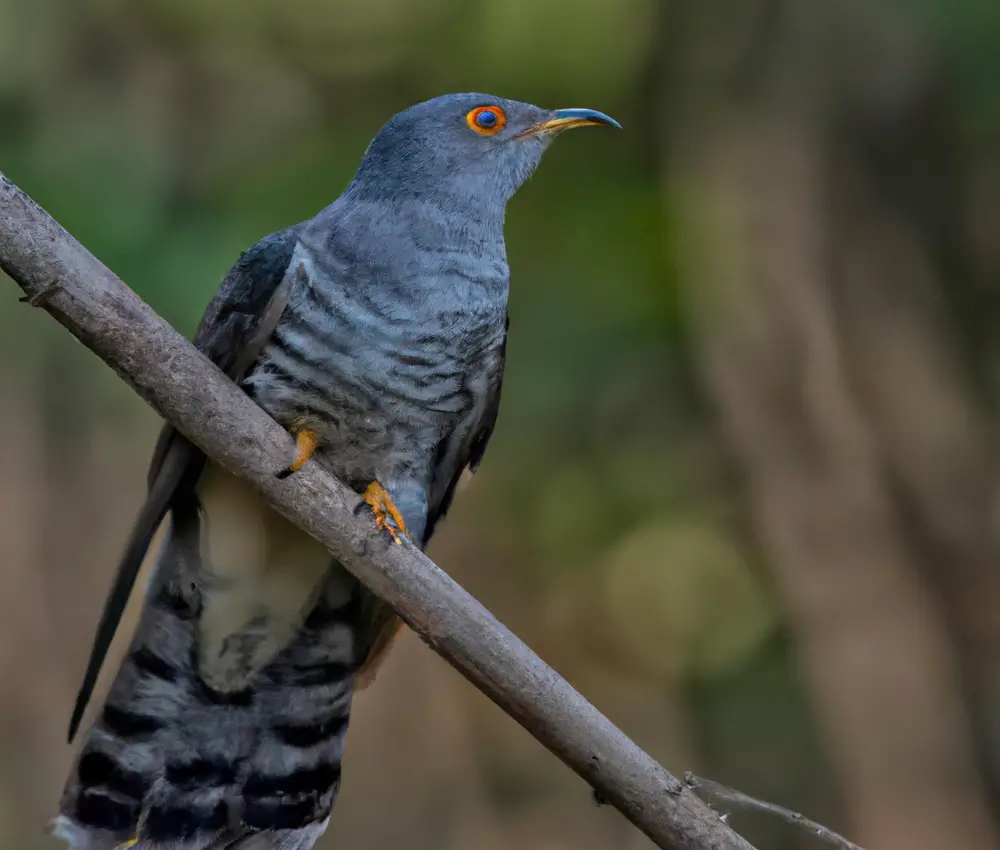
pixel 375 333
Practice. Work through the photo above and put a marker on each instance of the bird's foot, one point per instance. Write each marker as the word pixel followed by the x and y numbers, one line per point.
pixel 130 843
pixel 305 445
pixel 386 514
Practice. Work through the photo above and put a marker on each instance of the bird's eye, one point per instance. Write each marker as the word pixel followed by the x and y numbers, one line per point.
pixel 486 120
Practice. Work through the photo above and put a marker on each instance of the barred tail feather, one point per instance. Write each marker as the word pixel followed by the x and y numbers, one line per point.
pixel 182 766
pixel 81 838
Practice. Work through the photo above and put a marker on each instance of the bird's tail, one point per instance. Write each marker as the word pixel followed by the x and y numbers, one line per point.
pixel 173 764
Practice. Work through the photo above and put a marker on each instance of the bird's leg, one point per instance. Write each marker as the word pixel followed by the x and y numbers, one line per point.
pixel 384 510
pixel 305 444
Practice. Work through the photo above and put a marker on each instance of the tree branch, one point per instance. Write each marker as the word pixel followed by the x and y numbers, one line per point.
pixel 60 276
pixel 714 793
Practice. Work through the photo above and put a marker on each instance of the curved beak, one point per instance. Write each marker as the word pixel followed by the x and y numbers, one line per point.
pixel 567 119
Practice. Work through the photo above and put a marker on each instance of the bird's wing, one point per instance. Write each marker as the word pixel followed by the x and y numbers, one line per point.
pixel 471 453
pixel 236 325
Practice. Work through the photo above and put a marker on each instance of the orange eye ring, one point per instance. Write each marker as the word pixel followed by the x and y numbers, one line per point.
pixel 486 120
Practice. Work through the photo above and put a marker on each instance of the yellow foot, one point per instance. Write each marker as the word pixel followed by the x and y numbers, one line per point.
pixel 305 444
pixel 131 842
pixel 384 510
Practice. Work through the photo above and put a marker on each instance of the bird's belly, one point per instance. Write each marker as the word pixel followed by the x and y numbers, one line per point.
pixel 381 386
pixel 369 425
pixel 261 576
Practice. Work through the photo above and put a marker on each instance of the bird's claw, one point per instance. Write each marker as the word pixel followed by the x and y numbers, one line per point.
pixel 305 446
pixel 387 516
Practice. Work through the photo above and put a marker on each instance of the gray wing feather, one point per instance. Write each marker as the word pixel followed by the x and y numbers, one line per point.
pixel 472 452
pixel 236 325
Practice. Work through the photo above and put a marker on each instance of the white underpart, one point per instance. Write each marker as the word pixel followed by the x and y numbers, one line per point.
pixel 262 576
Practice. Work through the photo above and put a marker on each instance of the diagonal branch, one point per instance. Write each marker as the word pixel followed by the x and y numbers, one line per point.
pixel 60 276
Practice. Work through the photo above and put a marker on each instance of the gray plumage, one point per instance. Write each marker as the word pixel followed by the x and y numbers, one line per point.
pixel 380 325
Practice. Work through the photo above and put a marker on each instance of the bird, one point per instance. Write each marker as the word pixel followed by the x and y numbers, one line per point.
pixel 375 332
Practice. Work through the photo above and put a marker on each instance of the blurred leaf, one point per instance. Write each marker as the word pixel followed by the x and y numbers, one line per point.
pixel 576 46
pixel 969 32
pixel 571 514
pixel 684 600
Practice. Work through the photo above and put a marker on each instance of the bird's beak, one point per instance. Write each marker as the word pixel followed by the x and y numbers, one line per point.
pixel 567 119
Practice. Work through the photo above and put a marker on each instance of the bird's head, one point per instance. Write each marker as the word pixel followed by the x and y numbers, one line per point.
pixel 477 149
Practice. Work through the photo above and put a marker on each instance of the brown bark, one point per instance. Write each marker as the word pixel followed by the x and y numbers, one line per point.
pixel 936 440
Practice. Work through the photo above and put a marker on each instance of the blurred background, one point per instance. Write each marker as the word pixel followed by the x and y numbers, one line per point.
pixel 743 493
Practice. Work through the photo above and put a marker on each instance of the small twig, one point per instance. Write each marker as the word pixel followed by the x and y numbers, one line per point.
pixel 40 298
pixel 714 794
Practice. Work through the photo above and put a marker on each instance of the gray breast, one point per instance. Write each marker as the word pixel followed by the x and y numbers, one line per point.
pixel 383 365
